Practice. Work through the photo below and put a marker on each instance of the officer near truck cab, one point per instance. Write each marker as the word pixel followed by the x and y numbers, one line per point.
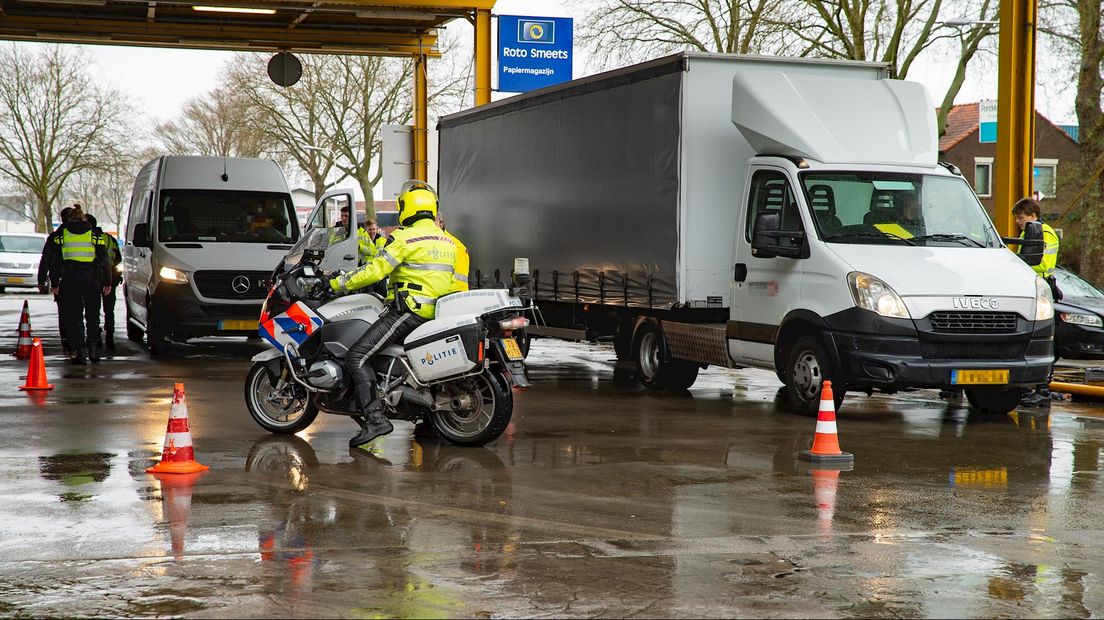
pixel 463 261
pixel 1024 212
pixel 420 260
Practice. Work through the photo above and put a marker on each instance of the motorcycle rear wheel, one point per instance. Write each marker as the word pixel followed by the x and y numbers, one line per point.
pixel 285 411
pixel 482 407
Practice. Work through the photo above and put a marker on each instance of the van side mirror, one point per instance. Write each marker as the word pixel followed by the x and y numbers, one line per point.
pixel 769 241
pixel 1032 245
pixel 141 236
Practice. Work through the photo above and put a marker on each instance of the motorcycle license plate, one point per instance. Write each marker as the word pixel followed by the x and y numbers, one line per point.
pixel 979 377
pixel 513 351
pixel 237 326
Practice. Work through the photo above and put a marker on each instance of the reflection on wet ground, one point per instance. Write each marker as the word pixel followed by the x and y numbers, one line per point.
pixel 601 499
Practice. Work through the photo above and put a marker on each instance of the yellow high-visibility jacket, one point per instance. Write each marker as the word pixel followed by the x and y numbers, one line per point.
pixel 1050 252
pixel 463 262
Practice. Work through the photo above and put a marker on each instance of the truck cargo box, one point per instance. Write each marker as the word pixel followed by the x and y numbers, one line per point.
pixel 620 188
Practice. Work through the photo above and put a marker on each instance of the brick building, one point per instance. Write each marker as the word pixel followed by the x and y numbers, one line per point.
pixel 1054 148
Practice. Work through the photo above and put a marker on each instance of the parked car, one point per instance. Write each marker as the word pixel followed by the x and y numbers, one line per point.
pixel 19 256
pixel 1079 332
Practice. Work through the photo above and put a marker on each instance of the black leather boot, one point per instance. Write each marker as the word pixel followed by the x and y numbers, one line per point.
pixel 373 424
pixel 109 341
pixel 93 353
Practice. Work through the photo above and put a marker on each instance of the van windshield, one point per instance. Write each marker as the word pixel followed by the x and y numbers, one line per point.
pixel 219 215
pixel 883 208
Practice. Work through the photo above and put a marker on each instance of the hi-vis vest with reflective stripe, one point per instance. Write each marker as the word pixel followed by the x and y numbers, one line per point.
pixel 80 248
pixel 420 260
pixel 460 270
pixel 1050 252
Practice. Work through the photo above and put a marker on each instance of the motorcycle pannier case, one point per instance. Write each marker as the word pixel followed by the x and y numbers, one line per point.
pixel 444 348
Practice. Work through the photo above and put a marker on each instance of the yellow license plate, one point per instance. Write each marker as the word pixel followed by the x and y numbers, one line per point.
pixel 979 377
pixel 513 351
pixel 237 326
pixel 16 280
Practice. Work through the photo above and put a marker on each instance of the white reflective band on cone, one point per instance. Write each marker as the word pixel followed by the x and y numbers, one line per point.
pixel 178 440
pixel 826 427
pixel 178 410
pixel 827 405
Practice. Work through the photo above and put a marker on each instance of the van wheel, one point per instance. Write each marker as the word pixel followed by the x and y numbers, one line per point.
pixel 654 367
pixel 994 402
pixel 807 367
pixel 155 335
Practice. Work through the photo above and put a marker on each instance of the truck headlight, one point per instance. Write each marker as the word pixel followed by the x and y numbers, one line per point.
pixel 1081 319
pixel 877 296
pixel 1044 305
pixel 168 274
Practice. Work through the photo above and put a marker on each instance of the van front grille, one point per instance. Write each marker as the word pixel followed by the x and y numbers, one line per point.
pixel 232 284
pixel 973 322
pixel 971 350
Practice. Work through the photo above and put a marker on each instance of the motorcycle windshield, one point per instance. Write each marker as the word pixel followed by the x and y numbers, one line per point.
pixel 317 241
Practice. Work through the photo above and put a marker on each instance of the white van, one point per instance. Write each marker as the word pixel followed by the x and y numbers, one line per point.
pixel 203 236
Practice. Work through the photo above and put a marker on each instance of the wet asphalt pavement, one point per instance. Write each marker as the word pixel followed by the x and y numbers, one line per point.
pixel 601 499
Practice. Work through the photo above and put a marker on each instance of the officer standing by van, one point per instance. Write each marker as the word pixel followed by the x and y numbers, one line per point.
pixel 1024 212
pixel 80 277
pixel 45 263
pixel 114 259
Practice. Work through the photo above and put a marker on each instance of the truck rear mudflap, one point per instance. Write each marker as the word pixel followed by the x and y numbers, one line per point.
pixel 895 362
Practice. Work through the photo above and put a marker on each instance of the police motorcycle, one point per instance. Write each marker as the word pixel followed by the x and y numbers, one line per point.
pixel 453 372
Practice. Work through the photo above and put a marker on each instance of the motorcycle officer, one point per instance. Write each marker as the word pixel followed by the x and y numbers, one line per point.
pixel 420 260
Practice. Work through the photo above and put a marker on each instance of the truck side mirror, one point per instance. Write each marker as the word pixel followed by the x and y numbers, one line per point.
pixel 767 238
pixel 1032 245
pixel 141 236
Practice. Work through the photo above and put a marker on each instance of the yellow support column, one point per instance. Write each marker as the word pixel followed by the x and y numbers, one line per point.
pixel 482 56
pixel 1015 110
pixel 421 121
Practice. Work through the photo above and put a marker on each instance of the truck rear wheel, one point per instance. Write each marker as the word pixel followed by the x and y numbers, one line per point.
pixel 995 402
pixel 807 367
pixel 654 367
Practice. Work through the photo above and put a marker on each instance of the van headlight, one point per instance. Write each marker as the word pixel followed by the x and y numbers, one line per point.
pixel 168 274
pixel 877 296
pixel 1044 305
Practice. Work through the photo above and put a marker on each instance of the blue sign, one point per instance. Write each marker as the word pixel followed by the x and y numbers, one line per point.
pixel 533 52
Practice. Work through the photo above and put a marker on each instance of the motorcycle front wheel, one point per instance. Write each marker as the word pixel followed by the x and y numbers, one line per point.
pixel 480 409
pixel 286 410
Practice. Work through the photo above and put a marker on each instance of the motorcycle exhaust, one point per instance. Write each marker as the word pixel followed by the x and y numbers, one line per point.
pixel 422 399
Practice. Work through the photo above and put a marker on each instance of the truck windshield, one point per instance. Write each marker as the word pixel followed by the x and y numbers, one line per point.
pixel 221 215
pixel 884 208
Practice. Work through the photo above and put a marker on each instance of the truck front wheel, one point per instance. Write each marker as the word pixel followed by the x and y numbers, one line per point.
pixel 654 367
pixel 807 366
pixel 995 402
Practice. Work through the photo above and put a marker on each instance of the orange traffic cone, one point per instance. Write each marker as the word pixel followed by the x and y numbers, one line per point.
pixel 825 482
pixel 176 505
pixel 36 370
pixel 23 347
pixel 178 457
pixel 826 443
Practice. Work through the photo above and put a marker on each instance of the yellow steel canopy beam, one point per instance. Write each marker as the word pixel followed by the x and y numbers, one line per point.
pixel 1015 110
pixel 482 57
pixel 421 120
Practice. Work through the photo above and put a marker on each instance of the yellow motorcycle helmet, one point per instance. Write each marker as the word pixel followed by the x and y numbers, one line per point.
pixel 416 198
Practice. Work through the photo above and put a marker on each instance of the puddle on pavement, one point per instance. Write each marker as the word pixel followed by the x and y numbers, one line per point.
pixel 76 470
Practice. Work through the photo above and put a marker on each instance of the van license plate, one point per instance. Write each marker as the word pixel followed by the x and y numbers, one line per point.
pixel 979 377
pixel 16 280
pixel 513 351
pixel 237 326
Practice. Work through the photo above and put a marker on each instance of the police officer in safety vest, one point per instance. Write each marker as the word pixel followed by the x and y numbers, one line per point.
pixel 80 278
pixel 1027 210
pixel 420 260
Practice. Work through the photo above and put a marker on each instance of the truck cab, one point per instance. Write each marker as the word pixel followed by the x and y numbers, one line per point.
pixel 877 276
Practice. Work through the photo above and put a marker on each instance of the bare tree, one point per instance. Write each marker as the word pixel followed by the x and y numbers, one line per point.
pixel 216 124
pixel 622 31
pixel 292 119
pixel 54 121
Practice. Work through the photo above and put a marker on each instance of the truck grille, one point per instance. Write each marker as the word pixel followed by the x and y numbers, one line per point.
pixel 973 322
pixel 971 350
pixel 221 284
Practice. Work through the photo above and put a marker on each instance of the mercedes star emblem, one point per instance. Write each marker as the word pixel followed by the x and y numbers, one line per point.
pixel 240 285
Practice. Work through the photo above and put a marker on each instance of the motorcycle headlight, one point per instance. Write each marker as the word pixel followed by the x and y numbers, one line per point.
pixel 1090 320
pixel 877 296
pixel 1044 305
pixel 168 274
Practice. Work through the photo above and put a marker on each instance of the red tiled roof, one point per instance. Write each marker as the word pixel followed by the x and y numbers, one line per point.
pixel 962 121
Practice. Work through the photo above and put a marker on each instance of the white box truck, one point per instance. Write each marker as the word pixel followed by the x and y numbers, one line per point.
pixel 784 214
